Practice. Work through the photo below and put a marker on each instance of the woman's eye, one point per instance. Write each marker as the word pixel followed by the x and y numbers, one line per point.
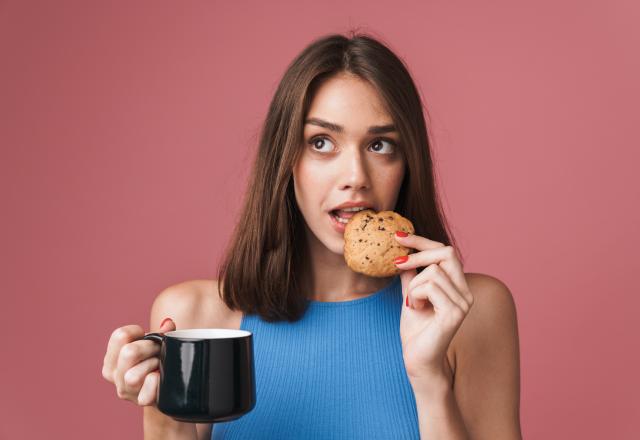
pixel 378 145
pixel 318 142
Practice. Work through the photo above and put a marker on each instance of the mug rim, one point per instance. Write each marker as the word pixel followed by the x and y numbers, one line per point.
pixel 203 334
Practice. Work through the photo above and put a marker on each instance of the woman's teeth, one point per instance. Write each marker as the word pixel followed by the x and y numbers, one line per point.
pixel 353 209
pixel 343 215
pixel 344 221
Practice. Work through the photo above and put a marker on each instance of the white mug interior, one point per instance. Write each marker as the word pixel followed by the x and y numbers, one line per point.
pixel 207 333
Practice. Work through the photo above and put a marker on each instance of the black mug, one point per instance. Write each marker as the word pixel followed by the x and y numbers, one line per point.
pixel 206 375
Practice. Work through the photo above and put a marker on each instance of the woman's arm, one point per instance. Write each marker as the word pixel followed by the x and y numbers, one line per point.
pixel 485 400
pixel 204 430
pixel 160 426
pixel 439 416
pixel 178 303
pixel 184 303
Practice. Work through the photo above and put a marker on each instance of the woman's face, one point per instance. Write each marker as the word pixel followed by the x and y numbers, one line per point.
pixel 349 162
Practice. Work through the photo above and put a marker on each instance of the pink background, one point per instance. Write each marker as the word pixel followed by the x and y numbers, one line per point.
pixel 127 129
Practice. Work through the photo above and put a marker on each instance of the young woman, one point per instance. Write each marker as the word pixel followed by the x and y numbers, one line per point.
pixel 430 353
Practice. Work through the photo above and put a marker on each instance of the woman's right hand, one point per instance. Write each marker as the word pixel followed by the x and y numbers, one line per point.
pixel 132 364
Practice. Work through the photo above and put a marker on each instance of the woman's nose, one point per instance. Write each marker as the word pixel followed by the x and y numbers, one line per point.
pixel 353 170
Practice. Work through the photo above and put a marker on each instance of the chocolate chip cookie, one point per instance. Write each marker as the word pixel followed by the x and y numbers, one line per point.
pixel 370 245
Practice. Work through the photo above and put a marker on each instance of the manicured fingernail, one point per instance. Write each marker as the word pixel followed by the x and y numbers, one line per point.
pixel 164 321
pixel 401 234
pixel 401 259
pixel 407 301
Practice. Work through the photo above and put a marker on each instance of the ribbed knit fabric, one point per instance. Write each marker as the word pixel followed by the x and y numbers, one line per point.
pixel 338 373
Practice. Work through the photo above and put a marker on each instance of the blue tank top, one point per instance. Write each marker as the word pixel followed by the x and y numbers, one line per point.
pixel 337 373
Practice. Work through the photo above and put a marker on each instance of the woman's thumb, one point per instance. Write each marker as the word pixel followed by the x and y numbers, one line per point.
pixel 167 325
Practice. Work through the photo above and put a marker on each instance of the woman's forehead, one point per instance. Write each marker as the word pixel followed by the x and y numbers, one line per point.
pixel 383 128
pixel 349 99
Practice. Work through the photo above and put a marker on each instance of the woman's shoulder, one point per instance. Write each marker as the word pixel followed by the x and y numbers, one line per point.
pixel 485 285
pixel 194 304
pixel 491 298
pixel 493 311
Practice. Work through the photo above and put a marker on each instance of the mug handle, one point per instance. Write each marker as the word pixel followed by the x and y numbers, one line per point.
pixel 155 337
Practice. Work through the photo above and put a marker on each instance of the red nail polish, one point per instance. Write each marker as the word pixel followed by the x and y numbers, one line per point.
pixel 407 301
pixel 401 234
pixel 401 259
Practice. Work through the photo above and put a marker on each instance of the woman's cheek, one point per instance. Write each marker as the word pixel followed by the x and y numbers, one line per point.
pixel 308 184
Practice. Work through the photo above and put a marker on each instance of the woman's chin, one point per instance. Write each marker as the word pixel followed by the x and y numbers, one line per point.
pixel 336 247
pixel 329 240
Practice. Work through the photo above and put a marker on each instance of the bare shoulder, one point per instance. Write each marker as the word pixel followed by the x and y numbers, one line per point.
pixel 489 293
pixel 493 305
pixel 193 304
pixel 487 371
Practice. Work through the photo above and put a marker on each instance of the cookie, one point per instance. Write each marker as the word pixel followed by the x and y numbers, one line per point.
pixel 370 245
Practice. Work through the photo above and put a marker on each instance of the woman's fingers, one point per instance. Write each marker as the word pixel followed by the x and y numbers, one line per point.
pixel 149 391
pixel 418 242
pixel 425 292
pixel 119 338
pixel 134 377
pixel 433 252
pixel 130 355
pixel 444 254
pixel 446 310
pixel 436 273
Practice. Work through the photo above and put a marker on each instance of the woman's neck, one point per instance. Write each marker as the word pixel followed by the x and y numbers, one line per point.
pixel 327 277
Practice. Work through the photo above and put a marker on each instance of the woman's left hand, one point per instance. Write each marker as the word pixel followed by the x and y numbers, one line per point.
pixel 438 301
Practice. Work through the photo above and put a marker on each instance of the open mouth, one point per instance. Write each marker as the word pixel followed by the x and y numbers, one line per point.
pixel 342 216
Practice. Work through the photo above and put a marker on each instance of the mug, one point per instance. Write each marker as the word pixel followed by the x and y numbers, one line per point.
pixel 206 375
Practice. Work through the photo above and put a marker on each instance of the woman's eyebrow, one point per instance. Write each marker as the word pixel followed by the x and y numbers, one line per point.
pixel 376 129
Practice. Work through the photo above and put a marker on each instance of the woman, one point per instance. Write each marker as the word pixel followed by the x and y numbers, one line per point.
pixel 430 353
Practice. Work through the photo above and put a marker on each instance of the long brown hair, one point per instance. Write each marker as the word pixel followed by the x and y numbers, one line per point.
pixel 261 271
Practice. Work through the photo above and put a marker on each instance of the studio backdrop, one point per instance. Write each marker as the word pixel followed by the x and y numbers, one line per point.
pixel 127 131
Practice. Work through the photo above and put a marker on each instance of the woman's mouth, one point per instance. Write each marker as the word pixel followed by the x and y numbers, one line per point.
pixel 339 218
